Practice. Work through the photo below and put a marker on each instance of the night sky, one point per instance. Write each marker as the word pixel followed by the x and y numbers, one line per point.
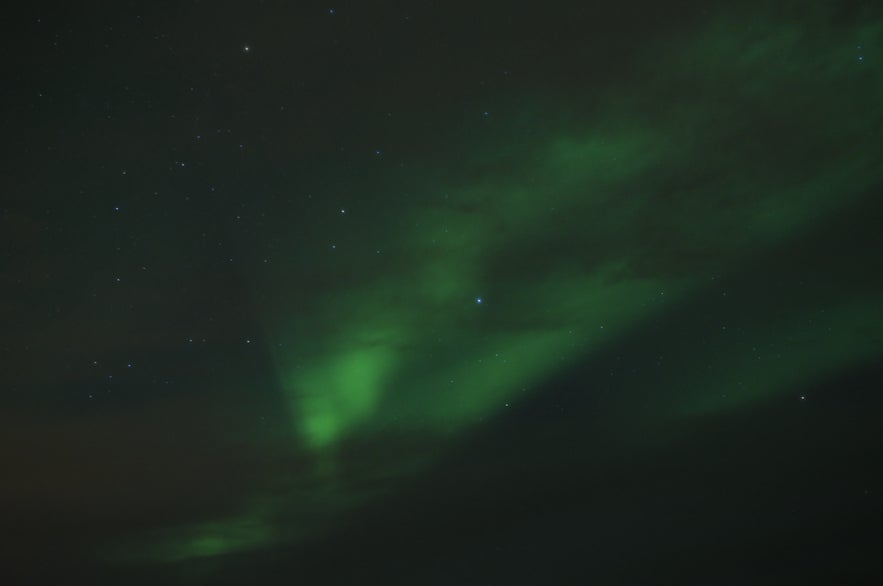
pixel 435 293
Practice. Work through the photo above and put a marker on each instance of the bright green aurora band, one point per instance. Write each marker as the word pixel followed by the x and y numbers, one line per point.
pixel 491 270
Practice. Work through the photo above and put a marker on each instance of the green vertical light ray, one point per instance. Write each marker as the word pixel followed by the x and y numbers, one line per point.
pixel 335 394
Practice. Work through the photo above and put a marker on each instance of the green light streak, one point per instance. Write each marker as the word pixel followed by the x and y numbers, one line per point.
pixel 200 540
pixel 791 356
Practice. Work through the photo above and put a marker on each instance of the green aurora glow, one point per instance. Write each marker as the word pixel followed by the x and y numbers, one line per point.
pixel 599 217
pixel 578 218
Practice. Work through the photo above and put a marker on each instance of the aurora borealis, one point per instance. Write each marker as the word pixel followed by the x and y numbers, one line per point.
pixel 434 293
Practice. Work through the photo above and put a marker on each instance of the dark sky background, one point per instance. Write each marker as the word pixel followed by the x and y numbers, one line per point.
pixel 441 293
